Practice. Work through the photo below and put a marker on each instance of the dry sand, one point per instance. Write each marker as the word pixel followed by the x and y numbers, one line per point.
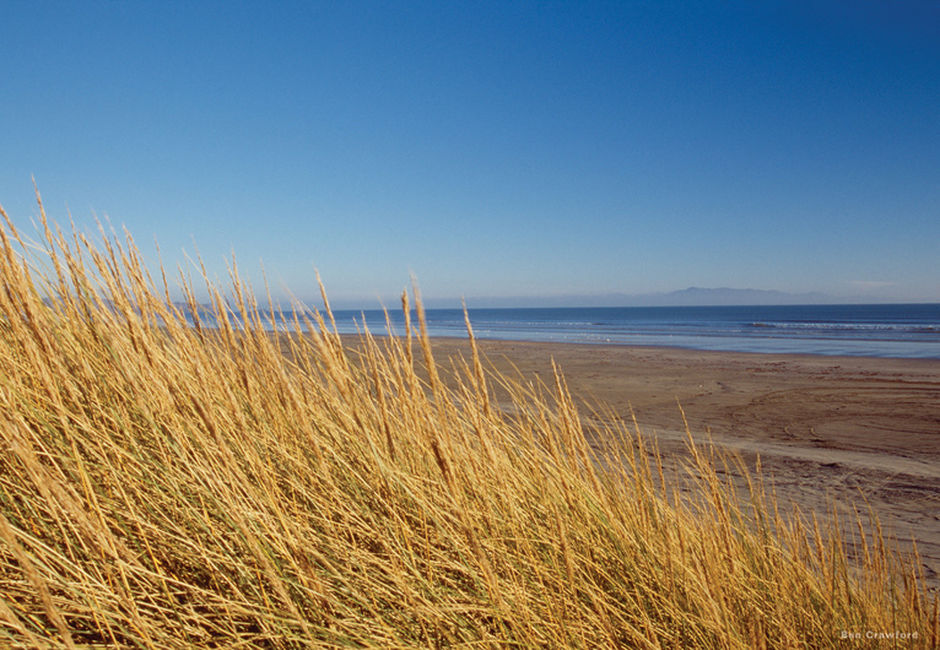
pixel 845 430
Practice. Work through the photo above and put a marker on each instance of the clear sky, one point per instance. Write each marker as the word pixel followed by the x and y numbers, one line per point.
pixel 492 148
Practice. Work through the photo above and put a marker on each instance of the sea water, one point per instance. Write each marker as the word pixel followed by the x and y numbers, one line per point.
pixel 885 330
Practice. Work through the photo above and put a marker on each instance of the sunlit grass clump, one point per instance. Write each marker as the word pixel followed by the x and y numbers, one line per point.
pixel 166 484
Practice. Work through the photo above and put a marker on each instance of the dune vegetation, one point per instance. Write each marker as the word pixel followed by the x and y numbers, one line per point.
pixel 164 484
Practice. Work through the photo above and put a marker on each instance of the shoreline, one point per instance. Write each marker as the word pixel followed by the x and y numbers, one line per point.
pixel 782 343
pixel 455 340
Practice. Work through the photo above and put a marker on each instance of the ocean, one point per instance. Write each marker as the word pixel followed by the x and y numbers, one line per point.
pixel 908 331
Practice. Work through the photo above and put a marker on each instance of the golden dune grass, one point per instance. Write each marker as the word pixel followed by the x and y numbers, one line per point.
pixel 164 486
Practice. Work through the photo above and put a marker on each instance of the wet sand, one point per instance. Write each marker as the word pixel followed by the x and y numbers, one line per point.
pixel 829 430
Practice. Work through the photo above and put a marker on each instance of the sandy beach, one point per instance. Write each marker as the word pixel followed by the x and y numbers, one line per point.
pixel 842 430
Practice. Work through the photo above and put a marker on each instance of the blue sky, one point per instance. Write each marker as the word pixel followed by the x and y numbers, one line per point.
pixel 493 149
